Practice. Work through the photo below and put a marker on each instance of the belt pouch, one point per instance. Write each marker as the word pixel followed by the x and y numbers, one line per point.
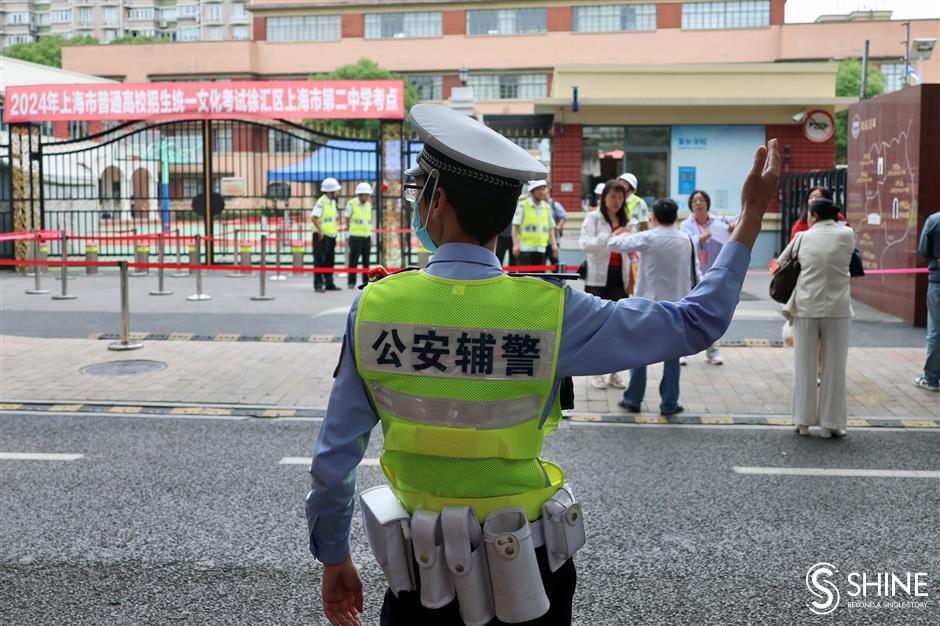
pixel 563 525
pixel 466 560
pixel 437 586
pixel 518 592
pixel 388 530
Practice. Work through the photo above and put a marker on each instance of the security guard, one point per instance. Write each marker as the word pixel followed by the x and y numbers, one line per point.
pixel 358 213
pixel 533 227
pixel 461 364
pixel 636 206
pixel 324 217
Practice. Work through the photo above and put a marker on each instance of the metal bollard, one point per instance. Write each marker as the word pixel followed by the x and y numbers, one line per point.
pixel 277 275
pixel 33 254
pixel 141 255
pixel 91 255
pixel 262 288
pixel 199 295
pixel 160 291
pixel 238 250
pixel 125 342
pixel 43 256
pixel 37 275
pixel 180 272
pixel 297 251
pixel 64 276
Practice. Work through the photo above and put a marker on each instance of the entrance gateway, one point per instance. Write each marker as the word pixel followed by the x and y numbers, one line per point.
pixel 160 145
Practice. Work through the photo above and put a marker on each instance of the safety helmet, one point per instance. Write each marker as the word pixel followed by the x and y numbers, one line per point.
pixel 363 189
pixel 535 184
pixel 599 189
pixel 630 179
pixel 329 184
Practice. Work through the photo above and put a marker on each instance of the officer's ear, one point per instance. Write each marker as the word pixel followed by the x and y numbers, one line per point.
pixel 439 201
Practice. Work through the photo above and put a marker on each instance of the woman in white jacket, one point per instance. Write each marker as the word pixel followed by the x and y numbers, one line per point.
pixel 608 273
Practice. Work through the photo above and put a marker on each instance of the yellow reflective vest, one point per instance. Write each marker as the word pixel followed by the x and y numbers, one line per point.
pixel 328 217
pixel 360 218
pixel 536 224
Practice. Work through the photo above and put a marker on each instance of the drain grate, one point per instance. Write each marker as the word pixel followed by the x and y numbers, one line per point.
pixel 130 367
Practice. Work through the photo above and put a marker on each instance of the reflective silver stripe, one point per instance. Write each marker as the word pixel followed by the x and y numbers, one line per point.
pixel 476 353
pixel 481 414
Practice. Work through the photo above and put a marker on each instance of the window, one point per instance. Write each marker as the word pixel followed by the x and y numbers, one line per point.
pixel 44 19
pixel 140 13
pixel 303 28
pixel 187 10
pixel 84 15
pixel 894 76
pixel 613 18
pixel 108 36
pixel 215 33
pixel 429 87
pixel 168 15
pixel 214 12
pixel 18 18
pixel 239 10
pixel 746 14
pixel 239 31
pixel 61 17
pixel 282 141
pixel 191 184
pixel 12 40
pixel 223 139
pixel 507 21
pixel 78 128
pixel 402 25
pixel 142 32
pixel 508 86
pixel 110 16
pixel 188 33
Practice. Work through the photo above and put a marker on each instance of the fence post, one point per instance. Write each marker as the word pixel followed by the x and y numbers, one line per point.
pixel 277 257
pixel 37 275
pixel 180 272
pixel 236 251
pixel 160 291
pixel 91 255
pixel 33 254
pixel 262 295
pixel 125 343
pixel 64 277
pixel 198 295
pixel 141 255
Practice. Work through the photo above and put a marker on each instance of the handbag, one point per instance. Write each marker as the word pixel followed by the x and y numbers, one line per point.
pixel 856 268
pixel 784 280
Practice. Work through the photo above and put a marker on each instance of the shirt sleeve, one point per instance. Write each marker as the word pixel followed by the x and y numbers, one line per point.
pixel 629 243
pixel 347 210
pixel 923 246
pixel 601 336
pixel 559 211
pixel 317 209
pixel 341 444
pixel 517 217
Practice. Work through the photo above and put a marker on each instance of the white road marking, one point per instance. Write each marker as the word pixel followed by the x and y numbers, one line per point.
pixel 304 460
pixel 821 471
pixel 38 456
pixel 336 310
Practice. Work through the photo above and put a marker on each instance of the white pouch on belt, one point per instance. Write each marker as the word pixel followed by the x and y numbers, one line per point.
pixel 466 560
pixel 563 525
pixel 518 592
pixel 389 534
pixel 437 586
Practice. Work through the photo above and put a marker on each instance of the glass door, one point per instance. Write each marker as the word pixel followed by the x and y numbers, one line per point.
pixel 651 168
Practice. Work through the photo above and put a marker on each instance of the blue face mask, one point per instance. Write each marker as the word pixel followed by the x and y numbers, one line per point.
pixel 421 230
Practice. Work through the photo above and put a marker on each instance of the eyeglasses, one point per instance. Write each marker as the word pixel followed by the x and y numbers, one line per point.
pixel 411 191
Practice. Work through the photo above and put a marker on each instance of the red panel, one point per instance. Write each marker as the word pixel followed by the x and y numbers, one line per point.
pixel 454 22
pixel 559 19
pixel 805 155
pixel 448 82
pixel 669 15
pixel 352 25
pixel 566 165
pixel 259 29
pixel 776 11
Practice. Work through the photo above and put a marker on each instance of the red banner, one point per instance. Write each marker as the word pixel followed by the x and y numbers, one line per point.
pixel 273 99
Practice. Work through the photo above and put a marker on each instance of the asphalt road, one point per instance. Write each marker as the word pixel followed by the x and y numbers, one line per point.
pixel 299 312
pixel 194 521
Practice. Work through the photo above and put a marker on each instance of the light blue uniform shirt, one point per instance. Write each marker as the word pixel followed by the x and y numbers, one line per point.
pixel 598 336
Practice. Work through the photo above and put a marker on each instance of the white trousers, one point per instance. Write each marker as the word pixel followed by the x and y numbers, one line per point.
pixel 825 341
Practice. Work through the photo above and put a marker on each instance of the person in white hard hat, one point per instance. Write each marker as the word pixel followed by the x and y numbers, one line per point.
pixel 358 214
pixel 636 206
pixel 324 217
pixel 533 226
pixel 598 191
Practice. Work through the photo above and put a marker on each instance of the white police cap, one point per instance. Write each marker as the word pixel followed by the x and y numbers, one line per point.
pixel 469 148
pixel 535 184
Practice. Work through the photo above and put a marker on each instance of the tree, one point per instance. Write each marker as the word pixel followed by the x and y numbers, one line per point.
pixel 140 39
pixel 48 50
pixel 849 83
pixel 363 69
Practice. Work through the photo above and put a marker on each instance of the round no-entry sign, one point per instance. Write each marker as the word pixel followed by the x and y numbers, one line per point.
pixel 819 126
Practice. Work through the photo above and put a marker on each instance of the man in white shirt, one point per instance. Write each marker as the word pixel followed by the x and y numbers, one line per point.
pixel 668 272
pixel 533 226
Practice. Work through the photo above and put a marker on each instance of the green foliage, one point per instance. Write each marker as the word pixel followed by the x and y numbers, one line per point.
pixel 48 50
pixel 140 39
pixel 363 69
pixel 849 83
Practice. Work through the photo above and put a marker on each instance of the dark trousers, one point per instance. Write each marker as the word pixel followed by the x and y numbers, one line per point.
pixel 503 247
pixel 359 249
pixel 668 387
pixel 406 609
pixel 614 289
pixel 324 255
pixel 531 258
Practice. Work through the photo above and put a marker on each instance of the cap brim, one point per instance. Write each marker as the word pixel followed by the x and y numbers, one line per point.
pixel 414 170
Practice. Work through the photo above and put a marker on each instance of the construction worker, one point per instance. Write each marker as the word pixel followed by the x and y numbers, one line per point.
pixel 461 363
pixel 358 214
pixel 324 216
pixel 636 206
pixel 533 227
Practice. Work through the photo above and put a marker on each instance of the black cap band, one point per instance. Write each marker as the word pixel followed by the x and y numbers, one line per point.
pixel 441 162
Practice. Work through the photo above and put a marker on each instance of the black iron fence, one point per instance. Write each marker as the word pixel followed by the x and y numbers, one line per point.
pixel 6 194
pixel 795 187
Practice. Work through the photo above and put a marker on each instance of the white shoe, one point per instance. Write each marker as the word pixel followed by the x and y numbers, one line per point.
pixel 825 433
pixel 683 360
pixel 838 433
pixel 802 430
pixel 715 360
pixel 598 382
pixel 615 381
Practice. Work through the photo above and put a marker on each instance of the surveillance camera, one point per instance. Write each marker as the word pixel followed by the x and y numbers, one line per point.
pixel 799 117
pixel 922 47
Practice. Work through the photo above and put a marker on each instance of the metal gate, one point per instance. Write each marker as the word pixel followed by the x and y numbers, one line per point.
pixel 6 194
pixel 794 187
pixel 120 187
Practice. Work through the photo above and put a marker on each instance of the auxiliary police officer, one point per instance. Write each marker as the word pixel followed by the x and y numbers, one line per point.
pixel 358 214
pixel 461 364
pixel 533 226
pixel 324 218
pixel 636 206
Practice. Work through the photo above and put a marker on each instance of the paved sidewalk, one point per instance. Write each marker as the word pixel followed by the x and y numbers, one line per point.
pixel 753 381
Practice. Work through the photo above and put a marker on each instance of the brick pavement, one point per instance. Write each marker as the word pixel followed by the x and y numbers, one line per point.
pixel 753 381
